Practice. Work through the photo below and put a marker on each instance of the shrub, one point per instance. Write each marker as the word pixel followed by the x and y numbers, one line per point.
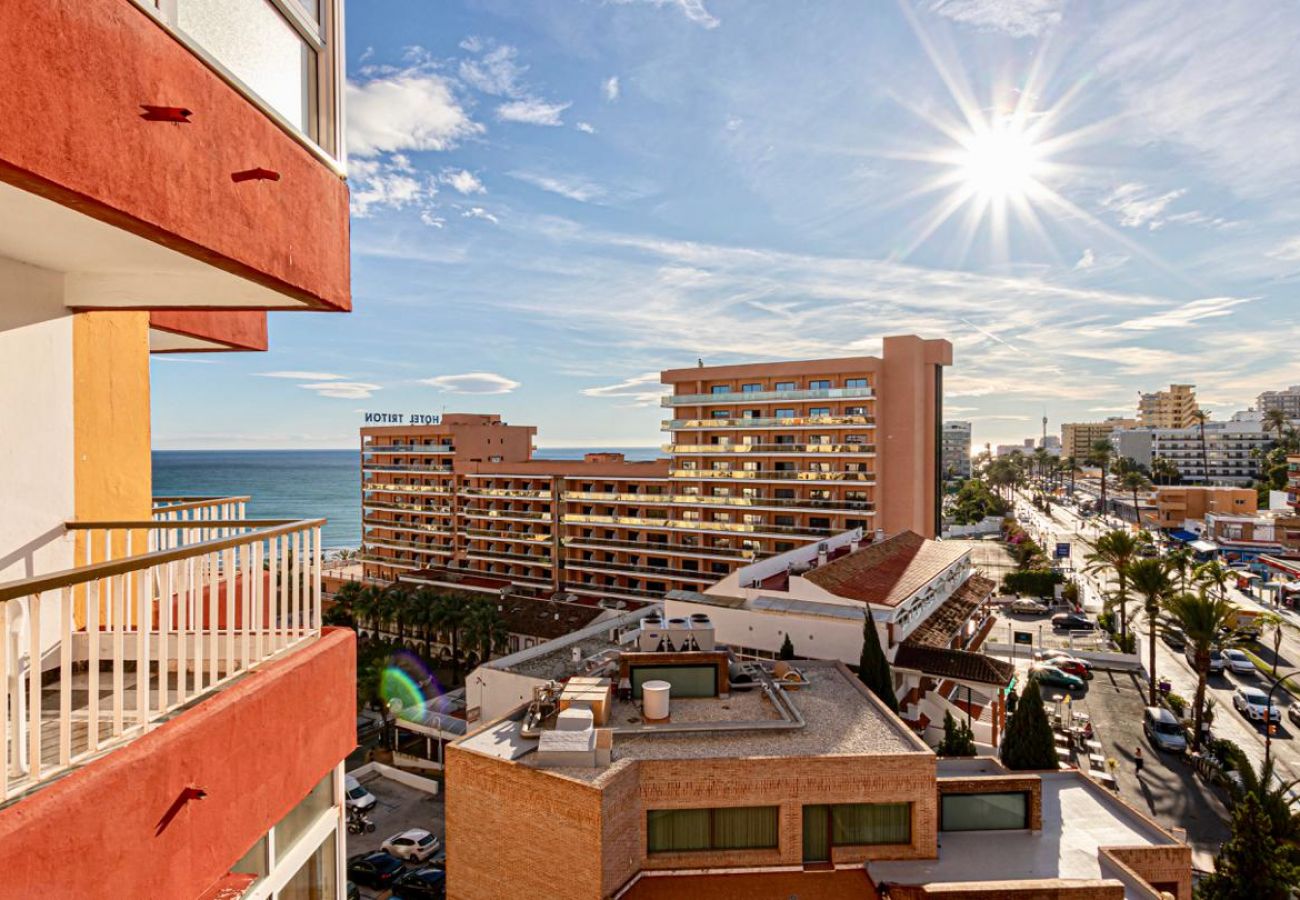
pixel 1227 752
pixel 1028 743
pixel 1176 703
pixel 957 738
pixel 1033 582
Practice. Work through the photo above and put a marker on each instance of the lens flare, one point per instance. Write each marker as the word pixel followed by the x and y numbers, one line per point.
pixel 400 684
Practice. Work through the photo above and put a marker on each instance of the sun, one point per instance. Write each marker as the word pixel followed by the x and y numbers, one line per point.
pixel 1000 163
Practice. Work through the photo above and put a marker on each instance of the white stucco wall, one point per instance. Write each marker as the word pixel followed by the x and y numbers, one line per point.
pixel 815 637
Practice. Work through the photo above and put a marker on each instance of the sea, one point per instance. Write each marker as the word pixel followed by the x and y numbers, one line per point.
pixel 293 484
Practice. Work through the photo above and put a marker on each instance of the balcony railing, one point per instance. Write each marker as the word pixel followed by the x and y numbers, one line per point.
pixel 146 632
pixel 694 525
pixel 773 475
pixel 198 509
pixel 692 550
pixel 767 396
pixel 776 449
pixel 770 422
pixel 663 571
pixel 387 467
pixel 411 449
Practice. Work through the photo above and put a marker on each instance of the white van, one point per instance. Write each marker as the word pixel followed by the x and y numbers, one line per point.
pixel 1163 730
pixel 358 797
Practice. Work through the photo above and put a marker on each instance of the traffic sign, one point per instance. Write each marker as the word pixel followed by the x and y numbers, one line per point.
pixel 1063 550
pixel 1024 637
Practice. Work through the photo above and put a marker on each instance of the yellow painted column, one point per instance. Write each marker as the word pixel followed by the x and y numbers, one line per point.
pixel 113 470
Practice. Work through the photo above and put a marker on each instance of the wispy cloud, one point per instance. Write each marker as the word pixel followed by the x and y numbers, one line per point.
pixel 694 10
pixel 611 88
pixel 472 383
pixel 1137 206
pixel 388 183
pixel 343 390
pixel 462 181
pixel 302 376
pixel 586 127
pixel 1287 251
pixel 478 212
pixel 498 73
pixel 1182 316
pixel 410 110
pixel 573 187
pixel 1087 260
pixel 532 111
pixel 1018 18
pixel 641 390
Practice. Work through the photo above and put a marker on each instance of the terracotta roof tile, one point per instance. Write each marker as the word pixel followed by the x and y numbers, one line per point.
pixel 887 572
pixel 945 623
pixel 960 665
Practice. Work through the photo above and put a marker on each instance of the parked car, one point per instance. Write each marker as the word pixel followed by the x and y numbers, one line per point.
pixel 426 883
pixel 1051 657
pixel 1046 674
pixel 1174 638
pixel 413 844
pixel 1218 662
pixel 1163 729
pixel 1072 667
pixel 358 797
pixel 1253 703
pixel 1239 662
pixel 1072 622
pixel 1028 607
pixel 1293 712
pixel 376 870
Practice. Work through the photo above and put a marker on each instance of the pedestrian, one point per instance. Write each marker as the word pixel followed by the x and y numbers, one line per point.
pixel 1137 760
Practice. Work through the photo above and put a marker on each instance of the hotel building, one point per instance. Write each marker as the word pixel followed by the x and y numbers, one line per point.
pixel 956 450
pixel 646 770
pixel 1077 438
pixel 1174 408
pixel 762 458
pixel 1286 400
pixel 168 173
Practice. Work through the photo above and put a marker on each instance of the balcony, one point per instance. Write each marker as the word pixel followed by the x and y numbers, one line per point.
pixel 160 614
pixel 694 525
pixel 408 507
pixel 405 467
pixel 769 422
pixel 731 397
pixel 693 551
pixel 389 487
pixel 602 566
pixel 517 493
pixel 520 537
pixel 407 449
pixel 772 475
pixel 412 527
pixel 771 449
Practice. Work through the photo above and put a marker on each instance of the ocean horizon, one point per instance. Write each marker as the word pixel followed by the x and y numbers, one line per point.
pixel 300 484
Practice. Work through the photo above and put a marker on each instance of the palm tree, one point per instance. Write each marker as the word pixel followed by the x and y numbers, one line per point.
pixel 1202 416
pixel 450 613
pixel 1114 551
pixel 368 606
pixel 1099 456
pixel 1149 579
pixel 1203 620
pixel 1163 471
pixel 423 617
pixel 1214 574
pixel 1271 622
pixel 1181 561
pixel 1071 465
pixel 1135 481
pixel 485 629
pixel 1276 419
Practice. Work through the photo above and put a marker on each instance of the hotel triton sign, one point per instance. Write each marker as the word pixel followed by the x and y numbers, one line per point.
pixel 377 418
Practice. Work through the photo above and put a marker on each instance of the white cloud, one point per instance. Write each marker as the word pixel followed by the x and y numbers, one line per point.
pixel 387 183
pixel 303 376
pixel 1137 206
pixel 1287 251
pixel 693 10
pixel 586 127
pixel 1182 316
pixel 478 212
pixel 1087 260
pixel 570 186
pixel 532 111
pixel 496 72
pixel 641 390
pixel 410 110
pixel 1018 18
pixel 472 44
pixel 464 181
pixel 611 88
pixel 472 383
pixel 1124 408
pixel 343 390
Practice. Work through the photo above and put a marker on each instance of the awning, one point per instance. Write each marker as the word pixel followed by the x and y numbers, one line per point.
pixel 1204 546
pixel 1180 534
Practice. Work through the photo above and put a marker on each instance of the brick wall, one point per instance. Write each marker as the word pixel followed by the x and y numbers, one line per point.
pixel 1164 868
pixel 1047 889
pixel 1001 784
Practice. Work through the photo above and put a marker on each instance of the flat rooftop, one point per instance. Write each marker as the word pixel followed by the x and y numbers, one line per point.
pixel 838 717
pixel 1078 818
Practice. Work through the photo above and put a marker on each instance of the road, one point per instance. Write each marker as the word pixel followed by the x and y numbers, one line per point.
pixel 1064 525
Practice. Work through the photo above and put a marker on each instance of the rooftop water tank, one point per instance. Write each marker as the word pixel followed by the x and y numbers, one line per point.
pixel 654 699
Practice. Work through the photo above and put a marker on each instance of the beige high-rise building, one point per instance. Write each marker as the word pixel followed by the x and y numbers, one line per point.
pixel 1174 408
pixel 1077 438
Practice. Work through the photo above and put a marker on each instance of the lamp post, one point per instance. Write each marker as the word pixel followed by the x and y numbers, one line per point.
pixel 1268 714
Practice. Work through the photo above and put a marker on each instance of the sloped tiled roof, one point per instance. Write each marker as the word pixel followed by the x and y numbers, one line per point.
pixel 959 665
pixel 545 619
pixel 942 625
pixel 887 572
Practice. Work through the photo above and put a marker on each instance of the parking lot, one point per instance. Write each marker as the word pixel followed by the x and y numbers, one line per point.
pixel 397 808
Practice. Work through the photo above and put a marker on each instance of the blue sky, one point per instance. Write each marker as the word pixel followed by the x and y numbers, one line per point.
pixel 554 199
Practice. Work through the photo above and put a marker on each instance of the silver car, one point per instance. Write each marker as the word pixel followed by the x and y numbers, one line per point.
pixel 1253 703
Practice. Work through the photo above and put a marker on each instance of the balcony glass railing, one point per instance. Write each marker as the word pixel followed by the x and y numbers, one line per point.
pixel 485 555
pixel 405 467
pixel 772 475
pixel 663 571
pixel 390 487
pixel 413 527
pixel 408 449
pixel 769 422
pixel 182 607
pixel 416 546
pixel 522 493
pixel 738 449
pixel 506 515
pixel 731 397
pixel 667 549
pixel 707 500
pixel 694 525
pixel 408 507
pixel 517 536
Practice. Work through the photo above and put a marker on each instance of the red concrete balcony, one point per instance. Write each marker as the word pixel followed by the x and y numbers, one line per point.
pixel 147 159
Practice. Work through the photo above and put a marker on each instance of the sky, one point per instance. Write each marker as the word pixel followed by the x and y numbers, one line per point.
pixel 552 200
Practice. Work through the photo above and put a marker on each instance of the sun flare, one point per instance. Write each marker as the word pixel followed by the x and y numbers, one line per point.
pixel 1000 163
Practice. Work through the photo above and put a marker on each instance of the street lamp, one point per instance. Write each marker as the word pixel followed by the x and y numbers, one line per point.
pixel 1268 714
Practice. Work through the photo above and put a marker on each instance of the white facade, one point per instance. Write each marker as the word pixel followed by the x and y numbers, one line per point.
pixel 955 441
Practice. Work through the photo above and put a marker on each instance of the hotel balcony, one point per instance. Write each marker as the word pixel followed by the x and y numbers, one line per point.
pixel 693 525
pixel 392 488
pixel 405 467
pixel 602 567
pixel 408 547
pixel 519 537
pixel 773 475
pixel 415 508
pixel 782 422
pixel 771 449
pixel 371 447
pixel 692 551
pixel 486 555
pixel 733 397
pixel 410 527
pixel 517 493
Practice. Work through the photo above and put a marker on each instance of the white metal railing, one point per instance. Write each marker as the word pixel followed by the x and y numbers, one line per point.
pixel 198 509
pixel 145 633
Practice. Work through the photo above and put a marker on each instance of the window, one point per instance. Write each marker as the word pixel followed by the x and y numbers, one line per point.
pixel 984 812
pixel 750 388
pixel 819 384
pixel 871 823
pixel 785 386
pixel 855 382
pixel 733 828
pixel 721 414
pixel 819 411
pixel 855 410
pixel 785 414
pixel 315 880
pixel 720 389
pixel 304 815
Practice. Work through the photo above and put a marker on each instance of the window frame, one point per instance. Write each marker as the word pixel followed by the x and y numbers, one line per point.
pixel 713 839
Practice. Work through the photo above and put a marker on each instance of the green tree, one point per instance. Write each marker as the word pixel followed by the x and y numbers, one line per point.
pixel 1276 419
pixel 1252 864
pixel 485 630
pixel 1100 455
pixel 1028 743
pixel 1113 551
pixel 958 740
pixel 1202 416
pixel 1163 471
pixel 450 612
pixel 873 667
pixel 787 648
pixel 1149 579
pixel 1202 619
pixel 1134 481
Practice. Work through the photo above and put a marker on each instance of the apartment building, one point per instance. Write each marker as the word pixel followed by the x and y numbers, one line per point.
pixel 664 767
pixel 1078 438
pixel 1286 400
pixel 1174 408
pixel 763 458
pixel 1232 449
pixel 169 172
pixel 1178 505
pixel 955 450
